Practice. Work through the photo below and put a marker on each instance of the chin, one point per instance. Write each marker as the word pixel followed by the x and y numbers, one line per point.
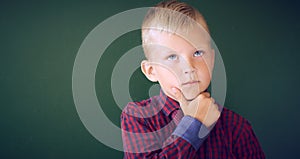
pixel 191 93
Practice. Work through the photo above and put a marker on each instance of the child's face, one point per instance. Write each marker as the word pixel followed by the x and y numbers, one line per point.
pixel 184 62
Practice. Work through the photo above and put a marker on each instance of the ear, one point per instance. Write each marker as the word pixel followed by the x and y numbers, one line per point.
pixel 148 70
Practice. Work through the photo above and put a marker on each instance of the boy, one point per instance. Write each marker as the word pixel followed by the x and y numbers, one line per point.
pixel 183 121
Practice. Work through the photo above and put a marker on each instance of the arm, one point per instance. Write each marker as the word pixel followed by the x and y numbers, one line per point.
pixel 140 142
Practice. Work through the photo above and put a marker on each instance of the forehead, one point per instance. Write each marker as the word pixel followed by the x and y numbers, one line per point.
pixel 179 41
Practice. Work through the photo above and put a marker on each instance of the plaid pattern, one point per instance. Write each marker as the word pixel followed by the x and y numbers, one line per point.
pixel 147 128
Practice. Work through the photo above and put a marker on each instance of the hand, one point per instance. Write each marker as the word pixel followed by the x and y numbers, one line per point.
pixel 203 107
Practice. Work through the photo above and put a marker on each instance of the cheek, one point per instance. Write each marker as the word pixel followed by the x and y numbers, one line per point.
pixel 205 69
pixel 167 78
pixel 204 74
pixel 209 62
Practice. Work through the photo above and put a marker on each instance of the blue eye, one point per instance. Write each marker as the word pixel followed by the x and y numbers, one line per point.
pixel 172 57
pixel 198 53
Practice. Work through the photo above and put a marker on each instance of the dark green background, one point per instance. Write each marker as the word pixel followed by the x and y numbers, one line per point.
pixel 259 42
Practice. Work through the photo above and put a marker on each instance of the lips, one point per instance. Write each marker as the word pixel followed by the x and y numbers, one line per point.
pixel 190 83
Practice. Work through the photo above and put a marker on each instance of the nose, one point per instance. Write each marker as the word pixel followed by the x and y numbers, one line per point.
pixel 188 67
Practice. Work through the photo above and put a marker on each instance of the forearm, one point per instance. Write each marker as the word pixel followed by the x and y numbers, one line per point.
pixel 182 143
pixel 179 148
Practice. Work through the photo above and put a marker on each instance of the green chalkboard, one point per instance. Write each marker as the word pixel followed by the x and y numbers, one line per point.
pixel 258 41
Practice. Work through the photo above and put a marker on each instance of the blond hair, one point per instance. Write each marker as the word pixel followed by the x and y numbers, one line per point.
pixel 172 16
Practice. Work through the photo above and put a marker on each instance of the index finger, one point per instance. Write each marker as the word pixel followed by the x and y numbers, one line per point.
pixel 178 95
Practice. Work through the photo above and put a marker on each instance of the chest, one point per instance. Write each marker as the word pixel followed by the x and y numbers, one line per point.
pixel 219 144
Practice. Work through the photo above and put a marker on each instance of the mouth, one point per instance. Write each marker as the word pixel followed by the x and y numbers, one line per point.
pixel 190 83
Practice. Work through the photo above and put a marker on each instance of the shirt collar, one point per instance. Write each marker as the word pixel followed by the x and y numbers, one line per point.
pixel 169 104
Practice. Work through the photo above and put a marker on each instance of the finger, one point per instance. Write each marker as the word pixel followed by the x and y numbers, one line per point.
pixel 212 100
pixel 212 115
pixel 204 95
pixel 178 95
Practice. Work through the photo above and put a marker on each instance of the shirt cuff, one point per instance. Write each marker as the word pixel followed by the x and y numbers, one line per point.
pixel 192 130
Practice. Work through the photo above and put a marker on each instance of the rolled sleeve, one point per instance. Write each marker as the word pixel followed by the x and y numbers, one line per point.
pixel 192 130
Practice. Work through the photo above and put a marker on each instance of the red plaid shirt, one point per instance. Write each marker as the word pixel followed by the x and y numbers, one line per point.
pixel 156 128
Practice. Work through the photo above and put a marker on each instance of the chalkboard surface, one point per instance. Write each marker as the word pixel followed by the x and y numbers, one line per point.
pixel 258 41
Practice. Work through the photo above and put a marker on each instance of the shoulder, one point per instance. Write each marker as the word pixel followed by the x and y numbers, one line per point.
pixel 143 109
pixel 143 116
pixel 234 122
pixel 239 129
pixel 232 118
